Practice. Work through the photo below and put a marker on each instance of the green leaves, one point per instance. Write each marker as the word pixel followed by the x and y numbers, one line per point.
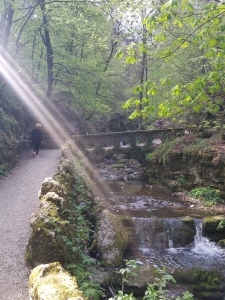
pixel 202 33
pixel 157 290
pixel 160 37
pixel 169 4
pixel 209 196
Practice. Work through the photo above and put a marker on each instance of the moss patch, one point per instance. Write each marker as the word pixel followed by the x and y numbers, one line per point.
pixel 51 281
pixel 118 166
pixel 111 239
pixel 201 282
pixel 210 224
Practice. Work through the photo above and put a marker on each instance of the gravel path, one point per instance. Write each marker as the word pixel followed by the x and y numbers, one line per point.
pixel 18 200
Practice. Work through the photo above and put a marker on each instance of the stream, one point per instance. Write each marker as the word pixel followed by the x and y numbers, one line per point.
pixel 153 219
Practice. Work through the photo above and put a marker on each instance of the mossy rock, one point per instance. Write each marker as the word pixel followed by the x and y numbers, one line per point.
pixel 145 275
pixel 51 185
pixel 210 224
pixel 222 243
pixel 111 239
pixel 46 243
pixel 189 221
pixel 199 279
pixel 46 246
pixel 118 166
pixel 122 161
pixel 51 281
pixel 126 221
pixel 134 163
pixel 204 295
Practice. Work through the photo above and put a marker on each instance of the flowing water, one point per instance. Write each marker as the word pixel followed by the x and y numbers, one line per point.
pixel 200 254
pixel 159 235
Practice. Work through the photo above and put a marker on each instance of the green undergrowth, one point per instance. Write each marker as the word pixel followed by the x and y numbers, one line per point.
pixel 188 145
pixel 82 244
pixel 154 291
pixel 208 195
pixel 162 152
pixel 3 171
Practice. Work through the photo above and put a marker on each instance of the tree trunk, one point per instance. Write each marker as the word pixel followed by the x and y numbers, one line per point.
pixel 49 50
pixel 6 27
pixel 143 75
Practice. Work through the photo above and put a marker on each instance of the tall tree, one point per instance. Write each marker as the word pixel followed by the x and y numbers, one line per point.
pixel 184 26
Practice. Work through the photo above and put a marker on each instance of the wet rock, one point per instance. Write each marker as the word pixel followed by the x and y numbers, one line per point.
pixel 51 281
pixel 182 231
pixel 154 233
pixel 111 239
pixel 132 177
pixel 189 221
pixel 222 243
pixel 151 233
pixel 145 275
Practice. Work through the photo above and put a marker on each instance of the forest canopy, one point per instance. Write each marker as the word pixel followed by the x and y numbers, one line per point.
pixel 91 55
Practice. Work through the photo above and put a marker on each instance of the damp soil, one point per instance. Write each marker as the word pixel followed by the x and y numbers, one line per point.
pixel 18 200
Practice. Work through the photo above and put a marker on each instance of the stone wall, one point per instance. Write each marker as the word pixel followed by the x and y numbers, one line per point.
pixel 127 137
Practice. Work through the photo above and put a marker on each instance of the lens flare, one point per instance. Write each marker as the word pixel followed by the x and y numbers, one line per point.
pixel 50 122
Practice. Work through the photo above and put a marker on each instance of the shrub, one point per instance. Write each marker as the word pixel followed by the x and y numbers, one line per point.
pixel 180 179
pixel 209 196
pixel 3 171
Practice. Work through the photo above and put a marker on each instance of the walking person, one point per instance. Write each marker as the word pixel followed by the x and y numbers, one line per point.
pixel 36 137
pixel 158 123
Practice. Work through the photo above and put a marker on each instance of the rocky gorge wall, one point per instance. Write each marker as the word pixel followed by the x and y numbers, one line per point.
pixel 14 123
pixel 201 162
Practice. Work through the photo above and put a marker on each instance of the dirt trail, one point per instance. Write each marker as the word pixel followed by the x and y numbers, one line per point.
pixel 18 200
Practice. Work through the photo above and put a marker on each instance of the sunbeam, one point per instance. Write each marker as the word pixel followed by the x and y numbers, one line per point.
pixel 51 125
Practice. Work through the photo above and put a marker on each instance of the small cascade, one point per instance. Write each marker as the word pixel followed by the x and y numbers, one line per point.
pixel 150 233
pixel 169 233
pixel 202 245
pixel 160 242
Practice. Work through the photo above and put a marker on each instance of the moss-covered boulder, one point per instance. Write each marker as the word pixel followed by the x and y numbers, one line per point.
pixel 51 185
pixel 118 166
pixel 51 281
pixel 111 239
pixel 144 275
pixel 50 234
pixel 222 243
pixel 211 224
pixel 203 284
pixel 189 221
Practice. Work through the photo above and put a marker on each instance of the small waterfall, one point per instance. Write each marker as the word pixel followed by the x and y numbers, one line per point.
pixel 169 234
pixel 150 233
pixel 202 245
